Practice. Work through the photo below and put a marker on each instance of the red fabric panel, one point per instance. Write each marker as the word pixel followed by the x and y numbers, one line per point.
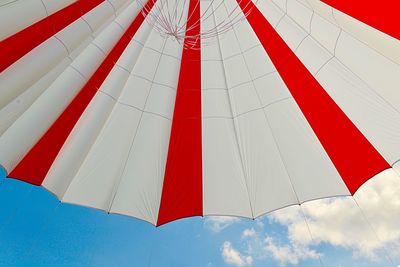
pixel 352 154
pixel 381 15
pixel 182 189
pixel 21 43
pixel 37 162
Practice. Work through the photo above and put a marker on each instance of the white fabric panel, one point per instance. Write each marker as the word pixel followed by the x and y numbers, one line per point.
pixel 147 71
pixel 282 4
pixel 215 103
pixel 156 42
pixel 258 62
pixel 379 41
pixel 313 54
pixel 111 141
pixel 103 40
pixel 224 187
pixel 305 3
pixel 92 121
pixel 96 20
pixel 167 69
pixel 241 153
pixel 116 81
pixel 374 116
pixel 45 110
pixel 139 191
pixel 321 24
pixel 124 19
pixel 23 73
pixel 81 47
pixel 267 179
pixel 74 34
pixel 377 71
pixel 300 13
pixel 101 23
pixel 10 113
pixel 19 15
pixel 53 6
pixel 236 71
pixel 143 34
pixel 137 93
pixel 322 9
pixel 229 41
pixel 128 59
pixel 173 48
pixel 325 32
pixel 244 98
pixel 94 182
pixel 290 32
pixel 88 61
pixel 161 100
pixel 30 126
pixel 245 38
pixel 119 5
pixel 6 2
pixel 270 11
pixel 270 89
pixel 78 144
pixel 311 172
pixel 213 70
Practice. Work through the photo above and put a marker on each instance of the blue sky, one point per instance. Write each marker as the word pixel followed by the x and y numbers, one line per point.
pixel 37 230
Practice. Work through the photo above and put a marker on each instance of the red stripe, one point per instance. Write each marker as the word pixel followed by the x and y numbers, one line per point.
pixel 182 189
pixel 381 15
pixel 21 43
pixel 352 154
pixel 35 165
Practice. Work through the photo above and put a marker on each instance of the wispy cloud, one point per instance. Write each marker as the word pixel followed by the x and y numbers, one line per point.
pixel 260 245
pixel 233 257
pixel 219 223
pixel 292 253
pixel 249 233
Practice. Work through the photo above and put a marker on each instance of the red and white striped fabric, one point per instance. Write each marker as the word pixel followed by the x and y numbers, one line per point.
pixel 301 101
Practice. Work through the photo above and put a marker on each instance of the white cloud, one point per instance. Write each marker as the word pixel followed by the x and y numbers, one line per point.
pixel 233 257
pixel 260 246
pixel 219 223
pixel 248 233
pixel 292 253
pixel 340 222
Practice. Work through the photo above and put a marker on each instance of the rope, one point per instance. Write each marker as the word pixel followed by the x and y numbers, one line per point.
pixel 309 231
pixel 375 233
